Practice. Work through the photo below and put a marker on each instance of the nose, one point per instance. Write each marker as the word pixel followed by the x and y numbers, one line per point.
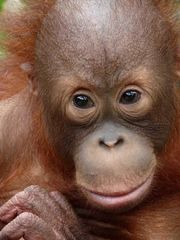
pixel 111 143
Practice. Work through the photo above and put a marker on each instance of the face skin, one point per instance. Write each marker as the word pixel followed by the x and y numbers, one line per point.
pixel 103 69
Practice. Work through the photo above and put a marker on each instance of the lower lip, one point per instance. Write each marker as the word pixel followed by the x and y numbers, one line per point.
pixel 121 200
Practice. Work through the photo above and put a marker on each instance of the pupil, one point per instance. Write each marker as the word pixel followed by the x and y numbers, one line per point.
pixel 81 101
pixel 130 97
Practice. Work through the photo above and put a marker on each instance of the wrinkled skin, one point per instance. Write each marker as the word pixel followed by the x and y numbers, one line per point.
pixel 35 214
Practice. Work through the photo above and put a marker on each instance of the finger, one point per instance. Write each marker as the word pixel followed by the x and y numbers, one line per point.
pixel 33 199
pixel 28 227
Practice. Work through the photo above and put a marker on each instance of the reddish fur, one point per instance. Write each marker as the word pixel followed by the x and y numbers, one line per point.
pixel 22 30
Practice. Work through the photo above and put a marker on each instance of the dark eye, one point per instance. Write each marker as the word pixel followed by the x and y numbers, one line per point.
pixel 83 101
pixel 130 97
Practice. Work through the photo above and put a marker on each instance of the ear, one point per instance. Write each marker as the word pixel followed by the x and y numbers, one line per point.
pixel 27 67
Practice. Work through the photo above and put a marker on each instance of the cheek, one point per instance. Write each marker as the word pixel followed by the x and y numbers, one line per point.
pixel 161 123
pixel 159 133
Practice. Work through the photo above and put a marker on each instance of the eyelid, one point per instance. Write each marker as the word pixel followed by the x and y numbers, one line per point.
pixel 82 92
pixel 131 87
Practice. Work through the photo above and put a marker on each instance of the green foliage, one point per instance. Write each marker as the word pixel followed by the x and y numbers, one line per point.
pixel 1 3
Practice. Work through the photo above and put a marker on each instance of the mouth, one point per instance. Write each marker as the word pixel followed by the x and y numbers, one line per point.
pixel 118 199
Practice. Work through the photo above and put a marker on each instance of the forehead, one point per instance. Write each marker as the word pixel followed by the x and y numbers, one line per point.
pixel 98 38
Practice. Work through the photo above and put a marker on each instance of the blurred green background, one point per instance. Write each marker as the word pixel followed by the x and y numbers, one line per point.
pixel 1 3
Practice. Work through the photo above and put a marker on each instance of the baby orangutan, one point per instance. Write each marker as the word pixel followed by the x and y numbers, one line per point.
pixel 89 124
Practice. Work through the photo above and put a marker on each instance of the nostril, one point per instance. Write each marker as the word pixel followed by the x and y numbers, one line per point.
pixel 120 140
pixel 111 143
